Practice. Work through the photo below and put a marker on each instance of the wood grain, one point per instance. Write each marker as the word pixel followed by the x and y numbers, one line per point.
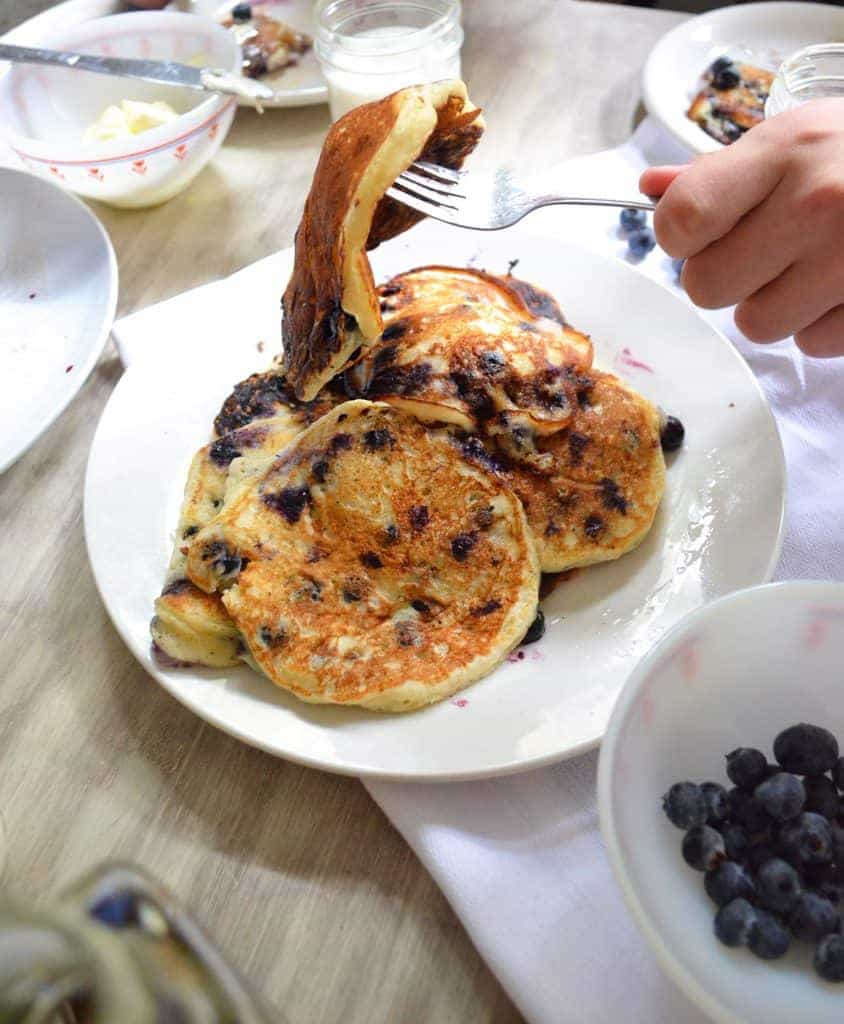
pixel 297 874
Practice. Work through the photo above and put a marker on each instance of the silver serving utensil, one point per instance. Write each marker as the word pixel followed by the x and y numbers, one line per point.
pixel 485 202
pixel 167 72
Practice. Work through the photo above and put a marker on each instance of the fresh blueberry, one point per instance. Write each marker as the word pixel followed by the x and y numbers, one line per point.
pixel 759 854
pixel 734 921
pixel 768 938
pixel 838 773
pixel 753 816
pixel 821 795
pixel 241 12
pixel 117 910
pixel 806 749
pixel 721 64
pixel 703 848
pixel 536 630
pixel 837 843
pixel 717 802
pixel 746 767
pixel 632 220
pixel 728 78
pixel 782 796
pixel 671 434
pixel 778 885
pixel 807 839
pixel 640 242
pixel 685 805
pixel 829 958
pixel 729 881
pixel 812 917
pixel 736 841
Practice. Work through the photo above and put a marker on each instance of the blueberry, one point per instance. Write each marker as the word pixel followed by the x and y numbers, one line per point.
pixel 813 917
pixel 807 839
pixel 777 885
pixel 837 843
pixel 703 848
pixel 241 12
pixel 631 219
pixel 746 767
pixel 829 958
pixel 782 796
pixel 685 805
pixel 721 64
pixel 758 855
pixel 117 910
pixel 736 841
pixel 753 816
pixel 822 796
pixel 536 630
pixel 671 434
pixel 677 266
pixel 806 749
pixel 734 921
pixel 838 773
pixel 768 938
pixel 728 78
pixel 832 891
pixel 728 882
pixel 717 802
pixel 641 242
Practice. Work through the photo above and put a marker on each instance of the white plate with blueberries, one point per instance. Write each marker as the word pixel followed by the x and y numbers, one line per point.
pixel 721 794
pixel 719 527
pixel 763 34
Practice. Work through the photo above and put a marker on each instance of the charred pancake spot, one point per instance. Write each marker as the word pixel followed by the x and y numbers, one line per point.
pixel 551 530
pixel 577 446
pixel 419 517
pixel 462 545
pixel 371 560
pixel 471 390
pixel 341 442
pixel 486 609
pixel 390 289
pixel 395 330
pixel 217 502
pixel 320 470
pixel 484 517
pixel 316 554
pixel 539 303
pixel 342 417
pixel 350 594
pixel 418 605
pixel 257 397
pixel 612 497
pixel 391 534
pixel 176 587
pixel 223 451
pixel 408 634
pixel 593 526
pixel 272 638
pixel 311 589
pixel 525 326
pixel 376 439
pixel 385 356
pixel 290 502
pixel 399 380
pixel 223 561
pixel 491 362
pixel 566 499
pixel 190 531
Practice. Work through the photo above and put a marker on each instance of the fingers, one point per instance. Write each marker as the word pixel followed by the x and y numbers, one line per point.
pixel 824 338
pixel 655 180
pixel 800 296
pixel 712 195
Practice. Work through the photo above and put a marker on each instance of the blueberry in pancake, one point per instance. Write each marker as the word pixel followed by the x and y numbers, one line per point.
pixel 372 563
pixel 732 99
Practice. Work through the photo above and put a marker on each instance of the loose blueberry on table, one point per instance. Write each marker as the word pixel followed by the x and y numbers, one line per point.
pixel 772 847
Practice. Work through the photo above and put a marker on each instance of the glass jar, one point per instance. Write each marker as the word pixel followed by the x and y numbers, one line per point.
pixel 370 48
pixel 815 72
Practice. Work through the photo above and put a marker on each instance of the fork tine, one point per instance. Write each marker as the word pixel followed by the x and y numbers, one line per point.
pixel 426 187
pixel 444 174
pixel 411 199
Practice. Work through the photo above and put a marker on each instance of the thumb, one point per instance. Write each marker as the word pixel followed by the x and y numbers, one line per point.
pixel 655 180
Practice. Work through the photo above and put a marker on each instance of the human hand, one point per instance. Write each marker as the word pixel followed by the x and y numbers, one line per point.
pixel 761 224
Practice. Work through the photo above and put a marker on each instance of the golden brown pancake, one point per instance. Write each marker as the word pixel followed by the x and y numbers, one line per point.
pixel 372 564
pixel 726 114
pixel 470 348
pixel 330 305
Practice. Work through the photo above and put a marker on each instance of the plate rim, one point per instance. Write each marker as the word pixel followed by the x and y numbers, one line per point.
pixel 697 141
pixel 510 767
pixel 98 345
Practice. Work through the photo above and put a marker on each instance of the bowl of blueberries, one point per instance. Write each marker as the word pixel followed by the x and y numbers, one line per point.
pixel 721 797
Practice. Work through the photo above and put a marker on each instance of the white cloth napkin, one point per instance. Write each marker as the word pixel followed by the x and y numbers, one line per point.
pixel 521 859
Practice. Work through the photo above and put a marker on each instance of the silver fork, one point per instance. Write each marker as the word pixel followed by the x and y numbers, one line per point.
pixel 484 202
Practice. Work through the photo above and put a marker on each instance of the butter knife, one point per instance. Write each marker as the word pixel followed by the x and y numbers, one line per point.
pixel 167 72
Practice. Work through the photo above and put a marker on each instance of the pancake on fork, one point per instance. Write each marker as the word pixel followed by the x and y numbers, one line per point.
pixel 475 350
pixel 330 305
pixel 372 564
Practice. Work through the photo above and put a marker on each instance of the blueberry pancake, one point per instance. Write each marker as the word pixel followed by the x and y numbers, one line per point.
pixel 330 305
pixel 475 350
pixel 596 498
pixel 372 563
pixel 732 99
pixel 268 394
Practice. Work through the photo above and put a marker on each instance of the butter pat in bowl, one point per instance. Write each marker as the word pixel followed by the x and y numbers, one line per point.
pixel 125 142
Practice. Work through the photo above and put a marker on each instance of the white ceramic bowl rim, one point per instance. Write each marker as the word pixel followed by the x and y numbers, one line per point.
pixel 672 965
pixel 178 130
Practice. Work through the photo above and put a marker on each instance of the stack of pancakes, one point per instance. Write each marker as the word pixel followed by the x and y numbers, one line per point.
pixel 370 524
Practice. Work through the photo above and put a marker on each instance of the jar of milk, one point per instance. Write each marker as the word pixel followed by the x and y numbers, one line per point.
pixel 815 72
pixel 370 48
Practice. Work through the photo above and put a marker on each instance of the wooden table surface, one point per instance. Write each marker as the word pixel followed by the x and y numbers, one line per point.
pixel 297 874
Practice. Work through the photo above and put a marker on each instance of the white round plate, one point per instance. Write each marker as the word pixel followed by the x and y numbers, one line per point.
pixel 764 34
pixel 298 86
pixel 719 527
pixel 58 292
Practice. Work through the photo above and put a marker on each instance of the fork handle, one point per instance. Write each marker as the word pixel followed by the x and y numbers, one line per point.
pixel 628 204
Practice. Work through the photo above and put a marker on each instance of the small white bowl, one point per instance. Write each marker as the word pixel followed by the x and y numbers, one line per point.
pixel 44 112
pixel 733 673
